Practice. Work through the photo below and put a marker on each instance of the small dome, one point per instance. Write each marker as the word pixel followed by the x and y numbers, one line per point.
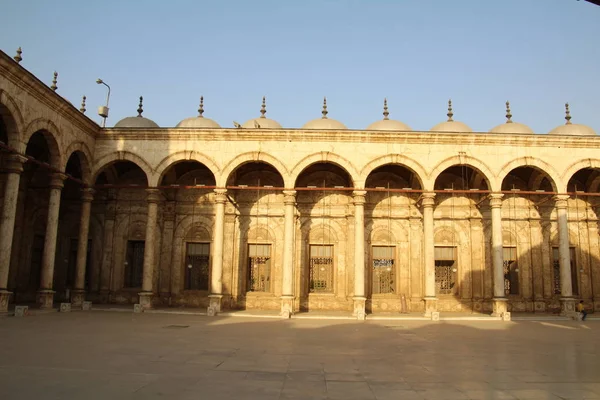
pixel 199 121
pixel 451 125
pixel 324 122
pixel 509 126
pixel 570 129
pixel 387 124
pixel 137 122
pixel 262 122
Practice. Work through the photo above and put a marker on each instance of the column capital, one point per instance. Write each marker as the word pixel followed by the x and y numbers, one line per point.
pixel 220 195
pixel 87 195
pixel 57 180
pixel 289 197
pixel 428 199
pixel 14 163
pixel 560 200
pixel 153 195
pixel 359 197
pixel 496 200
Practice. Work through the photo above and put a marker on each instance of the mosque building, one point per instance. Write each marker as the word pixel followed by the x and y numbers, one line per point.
pixel 383 219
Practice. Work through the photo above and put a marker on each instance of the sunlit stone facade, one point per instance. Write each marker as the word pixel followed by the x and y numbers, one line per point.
pixel 319 218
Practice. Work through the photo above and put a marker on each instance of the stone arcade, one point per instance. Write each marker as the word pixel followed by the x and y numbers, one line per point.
pixel 384 219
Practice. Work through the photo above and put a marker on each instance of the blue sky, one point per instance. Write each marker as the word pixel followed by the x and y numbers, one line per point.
pixel 417 53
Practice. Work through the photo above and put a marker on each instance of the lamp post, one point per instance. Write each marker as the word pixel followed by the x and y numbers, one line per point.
pixel 103 110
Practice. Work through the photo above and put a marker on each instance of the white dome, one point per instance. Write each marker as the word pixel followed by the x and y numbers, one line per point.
pixel 137 122
pixel 511 127
pixel 261 123
pixel 573 130
pixel 451 126
pixel 324 122
pixel 388 125
pixel 199 121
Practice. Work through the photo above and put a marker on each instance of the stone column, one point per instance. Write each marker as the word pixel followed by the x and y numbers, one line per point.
pixel 359 254
pixel 106 264
pixel 78 293
pixel 287 285
pixel 45 295
pixel 13 168
pixel 216 278
pixel 149 251
pixel 564 256
pixel 428 201
pixel 500 300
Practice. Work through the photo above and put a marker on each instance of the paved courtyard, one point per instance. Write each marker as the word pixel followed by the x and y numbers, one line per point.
pixel 108 355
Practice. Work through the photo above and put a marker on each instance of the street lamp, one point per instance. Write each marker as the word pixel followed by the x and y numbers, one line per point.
pixel 103 110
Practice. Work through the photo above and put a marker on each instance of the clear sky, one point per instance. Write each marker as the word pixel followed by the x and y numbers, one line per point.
pixel 418 53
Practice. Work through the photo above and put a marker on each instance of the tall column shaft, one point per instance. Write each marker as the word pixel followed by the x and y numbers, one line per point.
pixel 564 255
pixel 428 202
pixel 45 293
pixel 359 254
pixel 149 251
pixel 497 256
pixel 82 241
pixel 216 278
pixel 14 167
pixel 287 284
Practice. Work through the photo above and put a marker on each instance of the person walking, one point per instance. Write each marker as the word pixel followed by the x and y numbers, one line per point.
pixel 581 310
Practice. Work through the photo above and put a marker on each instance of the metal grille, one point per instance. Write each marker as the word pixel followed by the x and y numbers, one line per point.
pixel 511 270
pixel 556 268
pixel 383 270
pixel 197 262
pixel 321 269
pixel 445 276
pixel 259 267
pixel 134 264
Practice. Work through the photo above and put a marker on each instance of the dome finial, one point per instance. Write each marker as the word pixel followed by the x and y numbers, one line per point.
pixel 385 109
pixel 567 114
pixel 54 81
pixel 324 112
pixel 263 108
pixel 201 107
pixel 508 114
pixel 450 113
pixel 18 57
pixel 140 110
pixel 82 108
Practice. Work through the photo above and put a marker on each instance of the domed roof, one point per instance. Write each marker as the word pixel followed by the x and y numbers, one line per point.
pixel 451 125
pixel 199 121
pixel 570 129
pixel 262 122
pixel 137 122
pixel 387 124
pixel 324 122
pixel 509 126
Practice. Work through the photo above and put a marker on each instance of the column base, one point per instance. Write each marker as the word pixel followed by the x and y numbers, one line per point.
pixel 214 304
pixel 287 306
pixel 430 306
pixel 45 298
pixel 539 306
pixel 145 300
pixel 4 298
pixel 77 298
pixel 359 308
pixel 567 306
pixel 500 306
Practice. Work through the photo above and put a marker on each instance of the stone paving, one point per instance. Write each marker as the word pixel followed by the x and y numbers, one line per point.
pixel 105 355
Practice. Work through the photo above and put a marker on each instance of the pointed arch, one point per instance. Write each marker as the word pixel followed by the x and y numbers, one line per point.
pixel 326 157
pixel 85 159
pixel 532 162
pixel 252 156
pixel 51 133
pixel 186 155
pixel 394 159
pixel 15 116
pixel 465 160
pixel 111 158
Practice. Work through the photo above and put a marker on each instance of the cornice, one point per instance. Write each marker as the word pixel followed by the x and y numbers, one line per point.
pixel 26 81
pixel 349 136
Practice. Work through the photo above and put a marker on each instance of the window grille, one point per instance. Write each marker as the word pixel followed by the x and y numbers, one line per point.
pixel 384 274
pixel 445 275
pixel 511 270
pixel 197 263
pixel 556 268
pixel 259 267
pixel 134 267
pixel 321 269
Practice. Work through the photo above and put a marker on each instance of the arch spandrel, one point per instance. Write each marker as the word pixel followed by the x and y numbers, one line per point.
pixel 535 163
pixel 326 157
pixel 112 158
pixel 463 160
pixel 394 159
pixel 254 156
pixel 186 155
